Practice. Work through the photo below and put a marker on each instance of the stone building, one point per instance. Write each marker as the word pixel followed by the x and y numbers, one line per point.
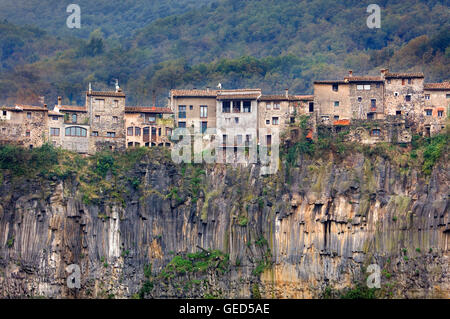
pixel 69 127
pixel 403 93
pixel 194 108
pixel 366 96
pixel 436 106
pixel 23 125
pixel 106 111
pixel 332 101
pixel 148 126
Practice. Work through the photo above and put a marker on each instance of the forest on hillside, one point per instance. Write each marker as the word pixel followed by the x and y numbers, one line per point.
pixel 159 45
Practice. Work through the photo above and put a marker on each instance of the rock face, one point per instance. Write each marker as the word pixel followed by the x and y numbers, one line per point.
pixel 315 225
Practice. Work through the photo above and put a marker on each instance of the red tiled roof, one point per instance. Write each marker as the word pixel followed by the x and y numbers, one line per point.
pixel 147 109
pixel 28 108
pixel 330 82
pixel 72 108
pixel 341 122
pixel 106 93
pixel 273 98
pixel 53 113
pixel 301 97
pixel 437 86
pixel 363 79
pixel 238 96
pixel 193 93
pixel 404 75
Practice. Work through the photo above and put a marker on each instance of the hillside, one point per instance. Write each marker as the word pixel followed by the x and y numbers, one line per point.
pixel 263 43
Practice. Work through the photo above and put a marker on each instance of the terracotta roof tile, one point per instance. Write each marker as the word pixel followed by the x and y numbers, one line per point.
pixel 29 108
pixel 273 98
pixel 106 93
pixel 72 108
pixel 330 82
pixel 301 97
pixel 238 96
pixel 404 75
pixel 363 79
pixel 147 109
pixel 437 86
pixel 193 93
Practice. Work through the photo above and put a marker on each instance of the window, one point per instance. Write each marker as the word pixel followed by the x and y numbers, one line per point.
pixel 373 104
pixel 111 134
pixel 268 106
pixel 203 111
pixel 359 99
pixel 159 131
pixel 370 116
pixel 116 103
pixel 360 87
pixel 409 81
pixel 130 131
pixel 398 112
pixel 54 118
pixel 76 131
pixel 191 107
pixel 239 139
pixel 403 81
pixel 376 132
pixel 389 81
pixel 28 115
pixel 236 106
pixel 429 112
pixel 130 144
pixel 268 140
pixel 367 87
pixel 227 120
pixel 427 96
pixel 336 103
pixel 395 93
pixel 74 118
pixel 137 131
pixel 447 96
pixel 335 87
pixel 408 98
pixel 115 119
pixel 224 139
pixel 378 85
pixel 4 113
pixel 182 111
pixel 54 131
pixel 101 103
pixel 267 122
pixel 182 124
pixel 168 131
pixel 94 133
pixel 275 121
pixel 276 106
pixel 247 107
pixel 236 120
pixel 336 117
pixel 204 126
pixel 226 107
pixel 440 113
pixel 97 118
pixel 27 133
pixel 311 106
pixel 152 118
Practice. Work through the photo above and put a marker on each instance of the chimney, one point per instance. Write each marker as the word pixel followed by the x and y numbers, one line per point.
pixel 45 105
pixel 207 89
pixel 90 87
pixel 59 101
pixel 286 92
pixel 383 72
pixel 350 73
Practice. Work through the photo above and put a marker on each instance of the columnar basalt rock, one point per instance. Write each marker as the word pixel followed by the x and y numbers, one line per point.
pixel 278 236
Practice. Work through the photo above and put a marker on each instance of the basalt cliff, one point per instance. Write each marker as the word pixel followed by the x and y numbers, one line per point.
pixel 200 231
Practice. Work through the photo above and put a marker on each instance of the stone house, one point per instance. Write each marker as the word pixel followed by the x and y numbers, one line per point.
pixel 148 126
pixel 194 108
pixel 106 110
pixel 403 94
pixel 436 106
pixel 23 125
pixel 332 101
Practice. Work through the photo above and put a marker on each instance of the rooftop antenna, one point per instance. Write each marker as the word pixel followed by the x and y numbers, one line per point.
pixel 90 87
pixel 117 85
